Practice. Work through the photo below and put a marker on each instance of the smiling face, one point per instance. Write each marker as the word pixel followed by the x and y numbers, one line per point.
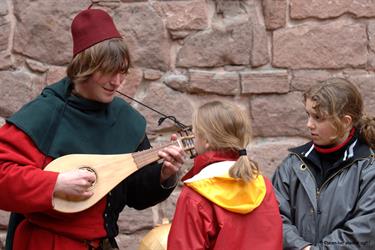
pixel 322 130
pixel 100 87
pixel 99 71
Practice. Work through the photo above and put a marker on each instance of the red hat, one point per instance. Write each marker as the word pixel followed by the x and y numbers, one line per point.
pixel 90 27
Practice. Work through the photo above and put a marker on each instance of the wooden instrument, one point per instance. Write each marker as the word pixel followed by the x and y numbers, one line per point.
pixel 110 170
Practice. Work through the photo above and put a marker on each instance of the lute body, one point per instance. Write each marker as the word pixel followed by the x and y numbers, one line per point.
pixel 110 170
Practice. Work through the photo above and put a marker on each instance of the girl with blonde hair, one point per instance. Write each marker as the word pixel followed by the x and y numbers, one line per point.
pixel 225 203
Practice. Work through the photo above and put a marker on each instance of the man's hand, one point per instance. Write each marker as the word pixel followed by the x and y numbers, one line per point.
pixel 74 185
pixel 173 157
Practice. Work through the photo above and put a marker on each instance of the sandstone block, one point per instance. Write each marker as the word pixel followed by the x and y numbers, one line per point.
pixel 302 80
pixel 168 102
pixel 274 13
pixel 270 152
pixel 278 115
pixel 143 30
pixel 366 82
pixel 259 82
pixel 184 17
pixel 17 88
pixel 334 45
pixel 217 47
pixel 226 83
pixel 42 30
pixel 300 9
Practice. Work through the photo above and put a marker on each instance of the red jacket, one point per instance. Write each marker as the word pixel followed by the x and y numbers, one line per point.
pixel 30 193
pixel 216 212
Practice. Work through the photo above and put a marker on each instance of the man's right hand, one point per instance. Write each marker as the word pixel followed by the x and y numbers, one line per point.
pixel 74 185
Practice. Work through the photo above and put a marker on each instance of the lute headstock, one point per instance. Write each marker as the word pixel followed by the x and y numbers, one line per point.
pixel 186 141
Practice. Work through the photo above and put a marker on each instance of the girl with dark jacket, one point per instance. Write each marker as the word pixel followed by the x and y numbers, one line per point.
pixel 326 188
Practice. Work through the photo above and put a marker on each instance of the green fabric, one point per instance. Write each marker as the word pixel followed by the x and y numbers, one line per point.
pixel 60 123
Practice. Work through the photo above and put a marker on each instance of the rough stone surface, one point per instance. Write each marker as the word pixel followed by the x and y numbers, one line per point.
pixel 42 29
pixel 145 34
pixel 4 33
pixel 304 79
pixel 328 46
pixel 55 74
pixel 168 102
pixel 16 89
pixel 184 17
pixel 300 9
pixel 217 47
pixel 5 60
pixel 259 51
pixel 371 36
pixel 278 115
pixel 150 74
pixel 227 83
pixel 269 153
pixel 274 13
pixel 260 82
pixel 365 82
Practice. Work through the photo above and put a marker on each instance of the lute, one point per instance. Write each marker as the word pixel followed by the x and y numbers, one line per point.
pixel 110 170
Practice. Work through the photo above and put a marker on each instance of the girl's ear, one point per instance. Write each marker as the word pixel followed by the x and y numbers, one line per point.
pixel 207 145
pixel 347 122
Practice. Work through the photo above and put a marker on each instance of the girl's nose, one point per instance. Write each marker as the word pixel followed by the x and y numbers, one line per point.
pixel 310 123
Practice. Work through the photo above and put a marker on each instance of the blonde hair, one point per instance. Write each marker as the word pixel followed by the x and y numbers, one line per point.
pixel 226 127
pixel 337 97
pixel 107 57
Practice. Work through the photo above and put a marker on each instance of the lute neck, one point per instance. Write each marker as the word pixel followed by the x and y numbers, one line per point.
pixel 143 158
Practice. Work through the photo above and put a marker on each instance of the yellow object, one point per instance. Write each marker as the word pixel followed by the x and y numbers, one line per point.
pixel 156 239
pixel 215 184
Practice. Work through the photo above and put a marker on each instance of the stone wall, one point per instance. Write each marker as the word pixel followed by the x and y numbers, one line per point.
pixel 259 54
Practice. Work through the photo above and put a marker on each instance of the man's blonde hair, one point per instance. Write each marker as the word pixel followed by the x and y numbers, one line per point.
pixel 107 57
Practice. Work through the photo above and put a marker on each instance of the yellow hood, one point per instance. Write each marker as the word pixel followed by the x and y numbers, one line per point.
pixel 215 184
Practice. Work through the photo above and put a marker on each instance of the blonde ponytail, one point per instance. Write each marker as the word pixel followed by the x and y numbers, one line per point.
pixel 245 169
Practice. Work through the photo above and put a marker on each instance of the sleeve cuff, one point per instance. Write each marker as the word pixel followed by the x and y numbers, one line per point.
pixel 170 183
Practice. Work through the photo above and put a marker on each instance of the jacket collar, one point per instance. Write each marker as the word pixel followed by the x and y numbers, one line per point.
pixel 209 157
pixel 355 149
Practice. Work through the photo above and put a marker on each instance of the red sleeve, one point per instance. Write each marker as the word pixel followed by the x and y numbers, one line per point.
pixel 192 226
pixel 24 186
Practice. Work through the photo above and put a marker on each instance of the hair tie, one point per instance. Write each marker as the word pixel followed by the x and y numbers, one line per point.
pixel 242 152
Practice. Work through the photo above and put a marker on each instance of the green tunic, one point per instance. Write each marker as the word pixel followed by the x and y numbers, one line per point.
pixel 60 123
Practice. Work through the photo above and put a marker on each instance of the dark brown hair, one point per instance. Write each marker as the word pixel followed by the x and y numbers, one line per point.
pixel 337 97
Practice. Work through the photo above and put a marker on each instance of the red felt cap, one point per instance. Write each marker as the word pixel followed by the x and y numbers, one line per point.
pixel 90 27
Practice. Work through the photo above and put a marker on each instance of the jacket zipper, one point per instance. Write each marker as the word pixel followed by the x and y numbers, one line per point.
pixel 318 190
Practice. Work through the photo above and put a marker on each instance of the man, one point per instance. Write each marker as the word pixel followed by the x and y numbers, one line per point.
pixel 78 115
